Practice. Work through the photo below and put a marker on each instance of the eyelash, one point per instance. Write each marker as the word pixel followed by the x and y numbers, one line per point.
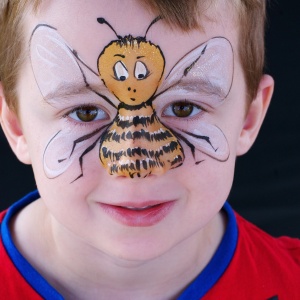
pixel 75 120
pixel 191 117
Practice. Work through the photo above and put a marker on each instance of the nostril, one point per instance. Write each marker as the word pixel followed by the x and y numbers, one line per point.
pixel 129 89
pixel 134 90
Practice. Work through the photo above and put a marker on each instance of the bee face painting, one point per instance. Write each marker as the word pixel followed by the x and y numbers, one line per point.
pixel 136 142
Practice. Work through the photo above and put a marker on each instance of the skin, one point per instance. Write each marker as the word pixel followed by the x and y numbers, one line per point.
pixel 88 253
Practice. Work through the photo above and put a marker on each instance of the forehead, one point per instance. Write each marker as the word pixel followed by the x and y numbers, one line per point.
pixel 76 21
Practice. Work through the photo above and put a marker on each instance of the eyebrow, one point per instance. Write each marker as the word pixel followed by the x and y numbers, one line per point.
pixel 138 57
pixel 204 86
pixel 123 56
pixel 66 89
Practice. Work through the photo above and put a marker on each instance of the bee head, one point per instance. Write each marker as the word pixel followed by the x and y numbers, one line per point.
pixel 131 68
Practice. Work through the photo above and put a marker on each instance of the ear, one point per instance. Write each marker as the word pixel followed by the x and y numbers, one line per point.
pixel 256 114
pixel 12 129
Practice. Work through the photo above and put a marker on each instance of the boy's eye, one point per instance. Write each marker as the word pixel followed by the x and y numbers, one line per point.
pixel 181 109
pixel 88 114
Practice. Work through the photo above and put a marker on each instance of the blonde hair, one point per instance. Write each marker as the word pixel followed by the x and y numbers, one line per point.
pixel 181 14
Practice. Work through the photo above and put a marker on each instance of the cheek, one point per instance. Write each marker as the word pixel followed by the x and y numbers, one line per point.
pixel 66 199
pixel 210 177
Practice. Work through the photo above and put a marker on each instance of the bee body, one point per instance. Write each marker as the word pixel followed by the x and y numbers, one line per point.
pixel 139 144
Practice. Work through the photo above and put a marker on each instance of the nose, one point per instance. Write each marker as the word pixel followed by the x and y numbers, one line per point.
pixel 140 153
pixel 129 89
pixel 138 145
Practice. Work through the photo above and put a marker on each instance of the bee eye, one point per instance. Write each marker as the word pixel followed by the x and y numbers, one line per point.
pixel 140 71
pixel 120 71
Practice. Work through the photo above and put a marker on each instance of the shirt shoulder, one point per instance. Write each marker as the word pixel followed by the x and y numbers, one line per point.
pixel 263 267
pixel 12 283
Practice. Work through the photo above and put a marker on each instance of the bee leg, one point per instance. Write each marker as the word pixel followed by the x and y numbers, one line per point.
pixel 190 145
pixel 202 137
pixel 86 151
pixel 86 137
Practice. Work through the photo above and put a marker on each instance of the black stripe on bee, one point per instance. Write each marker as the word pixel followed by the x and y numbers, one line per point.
pixel 136 106
pixel 135 121
pixel 170 147
pixel 138 151
pixel 133 168
pixel 158 136
pixel 176 160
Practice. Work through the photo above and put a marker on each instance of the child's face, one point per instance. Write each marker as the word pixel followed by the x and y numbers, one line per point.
pixel 66 110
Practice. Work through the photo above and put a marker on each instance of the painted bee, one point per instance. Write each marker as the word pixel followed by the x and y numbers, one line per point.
pixel 136 143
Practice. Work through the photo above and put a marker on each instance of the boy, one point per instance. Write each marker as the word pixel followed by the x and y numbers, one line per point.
pixel 132 118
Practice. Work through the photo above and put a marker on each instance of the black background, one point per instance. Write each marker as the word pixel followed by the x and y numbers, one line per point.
pixel 266 188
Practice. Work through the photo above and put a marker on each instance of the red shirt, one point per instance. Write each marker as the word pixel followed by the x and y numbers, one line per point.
pixel 249 264
pixel 263 267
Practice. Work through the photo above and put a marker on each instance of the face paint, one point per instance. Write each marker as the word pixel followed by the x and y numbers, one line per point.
pixel 137 142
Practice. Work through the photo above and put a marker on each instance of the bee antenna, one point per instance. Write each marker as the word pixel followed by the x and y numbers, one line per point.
pixel 153 22
pixel 103 21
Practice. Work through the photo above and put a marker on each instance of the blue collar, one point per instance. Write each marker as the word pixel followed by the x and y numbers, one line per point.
pixel 219 262
pixel 35 280
pixel 196 290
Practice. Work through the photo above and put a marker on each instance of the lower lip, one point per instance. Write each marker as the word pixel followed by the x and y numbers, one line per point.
pixel 141 218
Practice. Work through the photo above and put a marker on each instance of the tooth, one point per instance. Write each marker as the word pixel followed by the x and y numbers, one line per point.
pixel 137 208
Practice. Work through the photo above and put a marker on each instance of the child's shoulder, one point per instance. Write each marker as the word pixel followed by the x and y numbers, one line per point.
pixel 260 244
pixel 262 266
pixel 12 284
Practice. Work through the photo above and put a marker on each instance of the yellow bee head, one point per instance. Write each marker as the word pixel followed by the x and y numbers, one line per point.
pixel 131 68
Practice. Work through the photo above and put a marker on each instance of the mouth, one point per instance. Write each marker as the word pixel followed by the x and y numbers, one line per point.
pixel 142 215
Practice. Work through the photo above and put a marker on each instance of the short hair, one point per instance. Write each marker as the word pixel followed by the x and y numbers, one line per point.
pixel 181 14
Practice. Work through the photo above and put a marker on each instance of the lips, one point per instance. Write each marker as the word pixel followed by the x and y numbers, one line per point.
pixel 142 215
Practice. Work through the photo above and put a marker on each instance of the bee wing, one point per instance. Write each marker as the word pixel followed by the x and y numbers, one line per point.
pixel 205 138
pixel 52 60
pixel 56 158
pixel 57 66
pixel 208 69
pixel 65 147
pixel 205 75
